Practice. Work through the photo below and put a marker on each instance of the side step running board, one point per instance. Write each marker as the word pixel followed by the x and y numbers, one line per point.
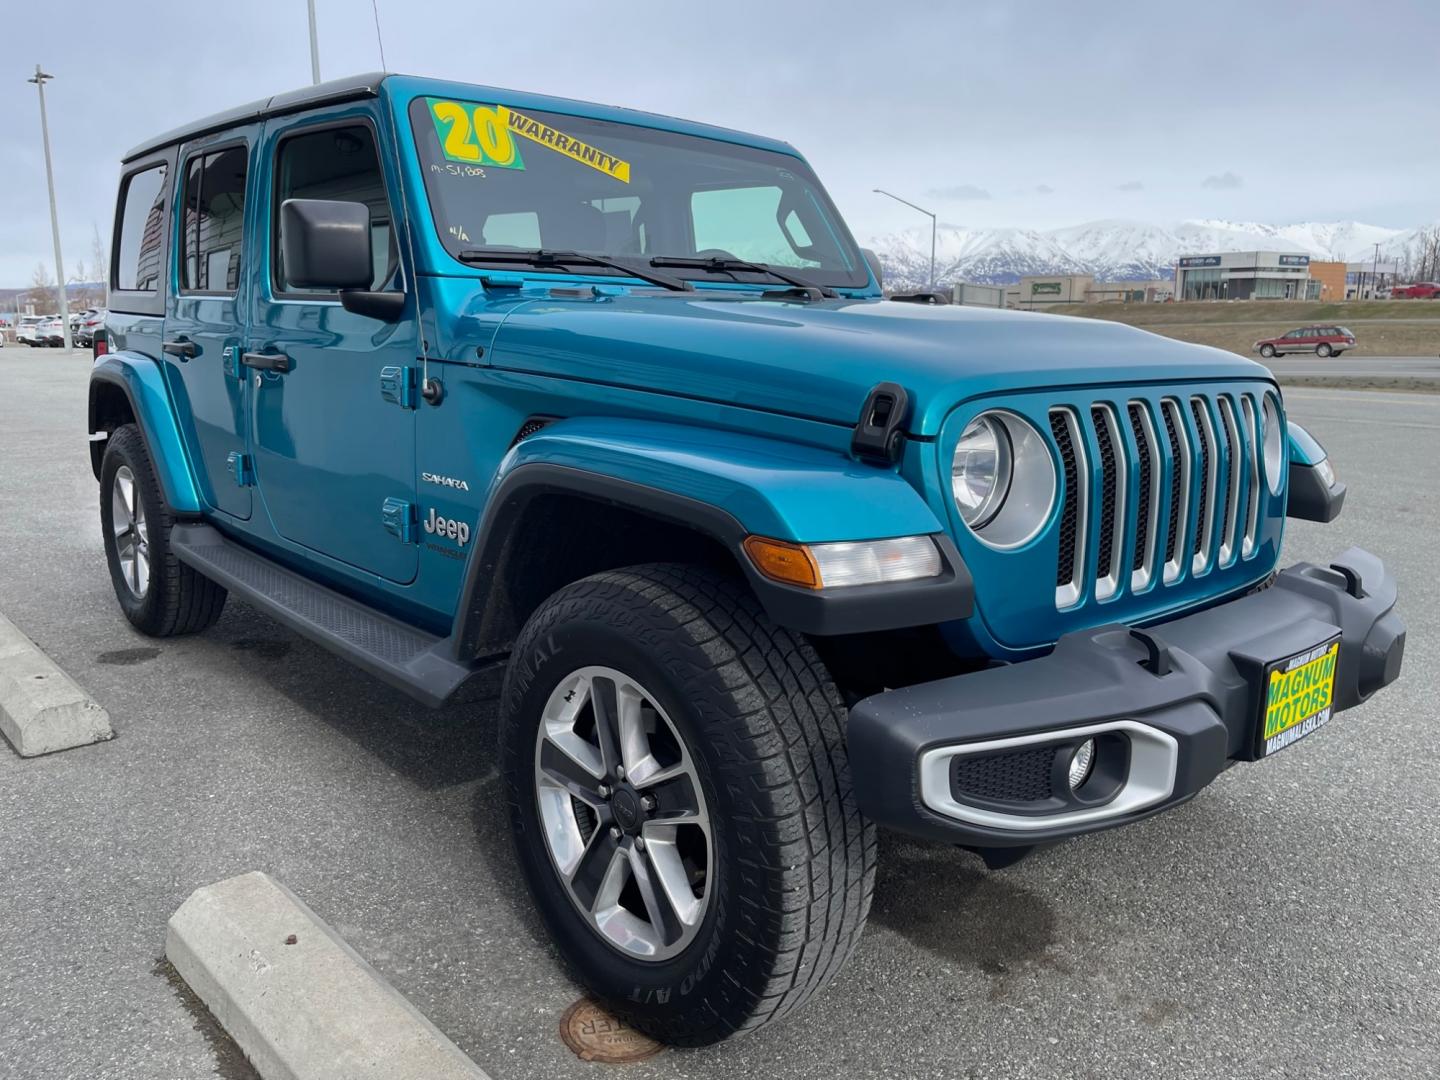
pixel 406 658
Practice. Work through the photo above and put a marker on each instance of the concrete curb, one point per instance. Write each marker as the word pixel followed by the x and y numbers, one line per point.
pixel 41 708
pixel 299 1001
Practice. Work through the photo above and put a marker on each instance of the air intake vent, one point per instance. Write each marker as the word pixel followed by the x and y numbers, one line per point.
pixel 1107 491
pixel 1179 487
pixel 1072 463
pixel 1113 495
pixel 1207 483
pixel 1013 776
pixel 530 427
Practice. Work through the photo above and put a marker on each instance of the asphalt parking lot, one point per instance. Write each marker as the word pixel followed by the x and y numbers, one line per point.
pixel 1283 924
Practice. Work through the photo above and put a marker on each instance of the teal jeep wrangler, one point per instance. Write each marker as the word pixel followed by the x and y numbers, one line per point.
pixel 446 377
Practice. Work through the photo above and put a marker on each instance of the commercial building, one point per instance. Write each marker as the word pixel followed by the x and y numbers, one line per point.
pixel 1367 280
pixel 1041 290
pixel 963 292
pixel 1245 275
pixel 1035 290
pixel 1131 292
pixel 1331 276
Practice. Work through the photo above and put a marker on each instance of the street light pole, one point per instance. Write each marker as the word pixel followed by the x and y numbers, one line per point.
pixel 40 80
pixel 927 213
pixel 314 45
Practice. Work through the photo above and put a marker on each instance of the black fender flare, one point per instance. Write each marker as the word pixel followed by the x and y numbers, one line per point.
pixel 481 618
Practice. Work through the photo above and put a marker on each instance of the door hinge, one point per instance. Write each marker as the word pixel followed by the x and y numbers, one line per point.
pixel 241 468
pixel 397 384
pixel 400 519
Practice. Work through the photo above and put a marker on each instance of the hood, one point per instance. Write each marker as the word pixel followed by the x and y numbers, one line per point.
pixel 819 360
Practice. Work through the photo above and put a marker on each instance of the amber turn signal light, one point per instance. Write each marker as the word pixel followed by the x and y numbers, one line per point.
pixel 791 563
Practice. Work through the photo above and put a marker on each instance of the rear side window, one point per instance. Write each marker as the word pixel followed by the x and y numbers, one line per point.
pixel 140 252
pixel 337 163
pixel 214 221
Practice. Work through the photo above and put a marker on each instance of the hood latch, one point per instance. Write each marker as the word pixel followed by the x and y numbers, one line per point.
pixel 880 433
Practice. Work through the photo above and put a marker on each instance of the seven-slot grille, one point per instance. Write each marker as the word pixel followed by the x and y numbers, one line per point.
pixel 1184 470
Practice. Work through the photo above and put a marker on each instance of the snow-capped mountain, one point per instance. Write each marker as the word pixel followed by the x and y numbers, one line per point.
pixel 1115 250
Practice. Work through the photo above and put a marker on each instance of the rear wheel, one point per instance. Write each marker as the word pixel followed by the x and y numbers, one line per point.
pixel 681 803
pixel 1323 349
pixel 160 595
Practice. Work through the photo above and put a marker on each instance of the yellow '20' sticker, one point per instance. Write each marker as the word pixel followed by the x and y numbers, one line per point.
pixel 475 134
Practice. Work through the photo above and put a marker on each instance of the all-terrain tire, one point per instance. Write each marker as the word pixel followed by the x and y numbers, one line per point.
pixel 176 599
pixel 763 724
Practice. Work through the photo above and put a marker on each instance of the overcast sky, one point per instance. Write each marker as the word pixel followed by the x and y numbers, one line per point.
pixel 1034 115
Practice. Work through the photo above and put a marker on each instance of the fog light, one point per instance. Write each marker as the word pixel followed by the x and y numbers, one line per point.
pixel 1081 763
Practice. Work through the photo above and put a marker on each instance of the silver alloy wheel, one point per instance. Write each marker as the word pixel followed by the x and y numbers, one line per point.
pixel 131 533
pixel 623 813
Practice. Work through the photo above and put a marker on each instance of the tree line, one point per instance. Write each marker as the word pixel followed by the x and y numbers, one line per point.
pixel 84 281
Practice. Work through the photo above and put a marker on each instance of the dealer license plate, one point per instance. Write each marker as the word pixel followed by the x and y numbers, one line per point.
pixel 1299 697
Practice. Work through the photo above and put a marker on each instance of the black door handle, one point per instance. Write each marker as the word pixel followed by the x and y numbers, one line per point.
pixel 266 361
pixel 182 347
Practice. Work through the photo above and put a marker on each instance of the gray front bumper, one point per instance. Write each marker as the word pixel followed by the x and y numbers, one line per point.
pixel 1183 696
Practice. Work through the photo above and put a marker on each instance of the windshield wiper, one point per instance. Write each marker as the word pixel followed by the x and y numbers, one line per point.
pixel 718 265
pixel 541 257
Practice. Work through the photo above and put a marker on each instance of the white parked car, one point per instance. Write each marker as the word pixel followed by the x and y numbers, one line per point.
pixel 51 331
pixel 28 331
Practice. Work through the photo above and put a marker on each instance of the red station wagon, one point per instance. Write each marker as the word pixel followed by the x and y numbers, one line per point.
pixel 1321 340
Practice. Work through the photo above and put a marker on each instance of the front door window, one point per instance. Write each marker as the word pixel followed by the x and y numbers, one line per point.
pixel 338 163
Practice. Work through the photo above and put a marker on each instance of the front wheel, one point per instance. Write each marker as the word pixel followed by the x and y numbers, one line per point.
pixel 681 802
pixel 1267 351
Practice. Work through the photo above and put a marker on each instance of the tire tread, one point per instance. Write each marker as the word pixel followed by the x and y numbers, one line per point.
pixel 807 890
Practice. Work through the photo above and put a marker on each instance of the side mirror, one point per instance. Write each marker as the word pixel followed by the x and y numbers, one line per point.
pixel 875 267
pixel 325 244
pixel 1315 494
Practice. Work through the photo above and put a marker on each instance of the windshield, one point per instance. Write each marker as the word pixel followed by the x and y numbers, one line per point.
pixel 519 180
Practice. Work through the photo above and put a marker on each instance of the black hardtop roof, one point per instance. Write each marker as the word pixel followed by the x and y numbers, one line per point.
pixel 349 88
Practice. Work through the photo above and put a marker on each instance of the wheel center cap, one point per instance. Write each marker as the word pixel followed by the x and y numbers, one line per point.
pixel 626 808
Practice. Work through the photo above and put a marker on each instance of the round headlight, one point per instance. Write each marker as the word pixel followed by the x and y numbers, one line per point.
pixel 980 471
pixel 1003 479
pixel 1274 445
